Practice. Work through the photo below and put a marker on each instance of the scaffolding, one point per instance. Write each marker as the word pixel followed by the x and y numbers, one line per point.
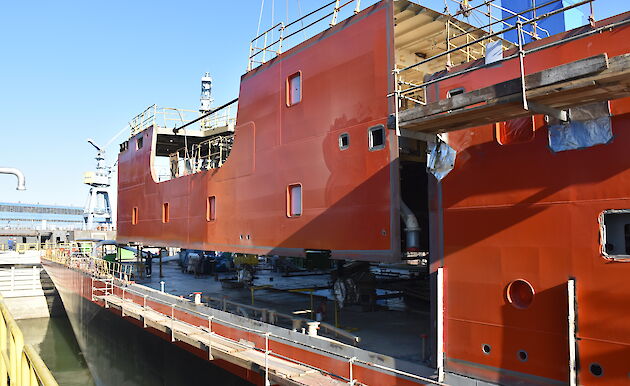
pixel 473 48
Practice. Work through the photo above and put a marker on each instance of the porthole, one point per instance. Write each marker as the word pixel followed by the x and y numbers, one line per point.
pixel 522 355
pixel 486 348
pixel 520 294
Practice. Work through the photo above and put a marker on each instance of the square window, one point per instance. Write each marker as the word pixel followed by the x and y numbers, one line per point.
pixel 615 234
pixel 344 141
pixel 165 213
pixel 376 137
pixel 294 89
pixel 211 209
pixel 134 216
pixel 294 200
pixel 455 91
pixel 517 130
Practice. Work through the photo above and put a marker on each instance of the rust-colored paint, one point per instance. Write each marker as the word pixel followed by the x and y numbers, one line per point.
pixel 521 211
pixel 347 195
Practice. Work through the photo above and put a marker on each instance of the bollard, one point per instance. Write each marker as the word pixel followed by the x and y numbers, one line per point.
pixel 162 286
pixel 312 328
pixel 197 297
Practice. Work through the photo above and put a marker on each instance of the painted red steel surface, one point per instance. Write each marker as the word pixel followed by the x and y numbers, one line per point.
pixel 347 194
pixel 81 283
pixel 521 211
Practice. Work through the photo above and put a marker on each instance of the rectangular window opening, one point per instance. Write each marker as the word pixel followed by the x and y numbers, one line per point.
pixel 294 89
pixel 166 217
pixel 294 200
pixel 139 142
pixel 455 91
pixel 134 216
pixel 211 209
pixel 615 234
pixel 344 141
pixel 517 130
pixel 376 137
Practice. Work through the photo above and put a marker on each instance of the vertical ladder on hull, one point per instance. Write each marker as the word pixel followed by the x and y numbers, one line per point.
pixel 106 290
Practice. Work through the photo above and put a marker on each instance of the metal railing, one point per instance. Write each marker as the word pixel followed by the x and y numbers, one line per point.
pixel 17 282
pixel 271 43
pixel 276 318
pixel 406 91
pixel 20 365
pixel 266 335
pixel 110 273
pixel 170 117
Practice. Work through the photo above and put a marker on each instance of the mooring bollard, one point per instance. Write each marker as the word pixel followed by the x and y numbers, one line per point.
pixel 162 286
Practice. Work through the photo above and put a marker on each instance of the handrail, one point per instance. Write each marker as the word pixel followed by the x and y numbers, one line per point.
pixel 264 334
pixel 518 15
pixel 175 130
pixel 170 117
pixel 484 37
pixel 19 362
pixel 401 92
pixel 268 334
pixel 255 50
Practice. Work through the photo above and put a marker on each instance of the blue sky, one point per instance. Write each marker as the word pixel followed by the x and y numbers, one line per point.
pixel 72 70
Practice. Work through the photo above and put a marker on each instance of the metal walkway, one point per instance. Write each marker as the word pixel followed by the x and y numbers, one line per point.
pixel 551 91
pixel 279 370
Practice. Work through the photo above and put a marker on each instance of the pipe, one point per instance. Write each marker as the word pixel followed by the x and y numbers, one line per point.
pixel 411 227
pixel 20 176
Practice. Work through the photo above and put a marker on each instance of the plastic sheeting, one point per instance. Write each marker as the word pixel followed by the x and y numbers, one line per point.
pixel 441 159
pixel 580 134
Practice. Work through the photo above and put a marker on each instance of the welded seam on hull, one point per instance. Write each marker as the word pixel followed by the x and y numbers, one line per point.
pixel 500 371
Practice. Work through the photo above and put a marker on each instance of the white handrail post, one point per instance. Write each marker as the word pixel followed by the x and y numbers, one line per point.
pixel 521 58
pixel 335 12
pixel 572 333
pixel 267 383
pixel 12 279
pixel 440 323
pixel 35 278
pixel 172 322
pixel 350 362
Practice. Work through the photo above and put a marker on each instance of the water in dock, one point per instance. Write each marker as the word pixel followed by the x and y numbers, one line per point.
pixel 54 340
pixel 118 353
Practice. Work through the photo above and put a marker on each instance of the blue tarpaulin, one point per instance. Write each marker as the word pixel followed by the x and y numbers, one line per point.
pixel 560 22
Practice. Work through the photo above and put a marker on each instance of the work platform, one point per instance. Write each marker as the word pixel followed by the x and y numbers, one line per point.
pixel 549 92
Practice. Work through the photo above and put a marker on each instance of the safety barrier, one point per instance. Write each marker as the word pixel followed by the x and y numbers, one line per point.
pixel 272 42
pixel 412 92
pixel 19 362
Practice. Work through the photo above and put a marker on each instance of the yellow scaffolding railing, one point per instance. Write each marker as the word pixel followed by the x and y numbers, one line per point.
pixel 20 365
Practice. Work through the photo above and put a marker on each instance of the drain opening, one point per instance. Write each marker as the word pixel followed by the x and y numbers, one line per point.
pixel 596 369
